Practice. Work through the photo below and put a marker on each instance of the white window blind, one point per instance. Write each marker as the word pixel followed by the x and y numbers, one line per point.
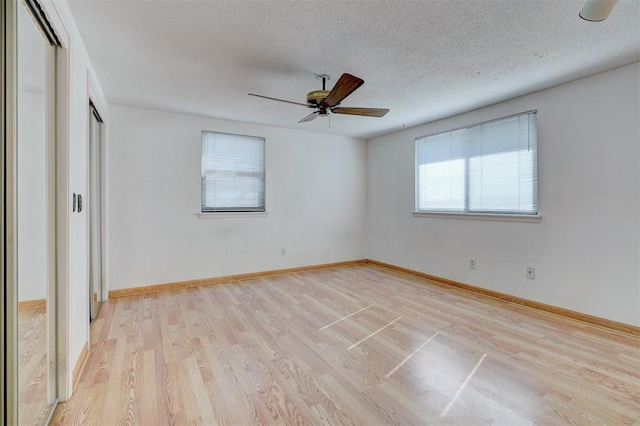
pixel 233 175
pixel 490 167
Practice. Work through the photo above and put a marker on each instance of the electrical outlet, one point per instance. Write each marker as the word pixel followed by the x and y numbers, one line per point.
pixel 327 251
pixel 531 273
pixel 283 252
pixel 472 264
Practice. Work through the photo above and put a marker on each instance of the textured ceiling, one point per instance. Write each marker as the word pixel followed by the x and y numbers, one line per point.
pixel 422 59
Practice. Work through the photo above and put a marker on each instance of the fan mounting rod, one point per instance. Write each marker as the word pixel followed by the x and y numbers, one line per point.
pixel 324 78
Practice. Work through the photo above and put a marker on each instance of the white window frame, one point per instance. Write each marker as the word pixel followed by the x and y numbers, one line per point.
pixel 466 214
pixel 232 211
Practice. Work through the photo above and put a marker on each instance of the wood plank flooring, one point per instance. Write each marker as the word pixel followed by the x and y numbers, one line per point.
pixel 33 407
pixel 353 345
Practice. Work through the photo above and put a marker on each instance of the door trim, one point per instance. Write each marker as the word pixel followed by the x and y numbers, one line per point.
pixel 93 112
pixel 94 99
pixel 6 31
pixel 62 223
pixel 9 225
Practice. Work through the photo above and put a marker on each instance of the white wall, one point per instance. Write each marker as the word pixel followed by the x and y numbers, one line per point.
pixel 32 197
pixel 586 248
pixel 315 200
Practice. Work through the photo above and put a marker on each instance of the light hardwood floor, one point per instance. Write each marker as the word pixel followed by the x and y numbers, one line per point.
pixel 351 345
pixel 33 407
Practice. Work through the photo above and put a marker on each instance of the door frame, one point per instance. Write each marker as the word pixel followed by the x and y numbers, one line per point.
pixel 9 224
pixel 96 110
pixel 63 209
pixel 8 355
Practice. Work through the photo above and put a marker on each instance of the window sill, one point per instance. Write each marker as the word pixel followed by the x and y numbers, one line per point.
pixel 230 215
pixel 483 216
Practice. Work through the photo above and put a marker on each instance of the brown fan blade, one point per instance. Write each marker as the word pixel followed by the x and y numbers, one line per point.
pixel 369 112
pixel 279 100
pixel 345 86
pixel 309 117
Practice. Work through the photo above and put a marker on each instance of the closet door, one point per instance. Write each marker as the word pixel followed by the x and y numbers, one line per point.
pixel 31 199
pixel 95 211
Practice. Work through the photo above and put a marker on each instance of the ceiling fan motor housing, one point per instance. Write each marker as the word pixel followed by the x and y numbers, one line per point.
pixel 315 97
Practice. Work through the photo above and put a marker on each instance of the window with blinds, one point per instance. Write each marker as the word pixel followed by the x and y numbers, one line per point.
pixel 489 167
pixel 233 175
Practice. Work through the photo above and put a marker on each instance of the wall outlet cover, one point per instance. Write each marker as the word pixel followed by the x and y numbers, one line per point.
pixel 531 273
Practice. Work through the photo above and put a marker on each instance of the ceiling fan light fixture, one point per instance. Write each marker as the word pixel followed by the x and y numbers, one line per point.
pixel 597 10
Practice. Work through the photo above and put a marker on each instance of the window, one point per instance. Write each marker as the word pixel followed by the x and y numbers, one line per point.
pixel 486 168
pixel 232 173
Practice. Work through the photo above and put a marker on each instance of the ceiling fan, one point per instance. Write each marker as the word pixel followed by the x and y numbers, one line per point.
pixel 324 100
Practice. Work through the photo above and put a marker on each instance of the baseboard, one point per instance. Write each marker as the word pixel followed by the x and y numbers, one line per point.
pixel 179 285
pixel 567 313
pixel 79 368
pixel 32 304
